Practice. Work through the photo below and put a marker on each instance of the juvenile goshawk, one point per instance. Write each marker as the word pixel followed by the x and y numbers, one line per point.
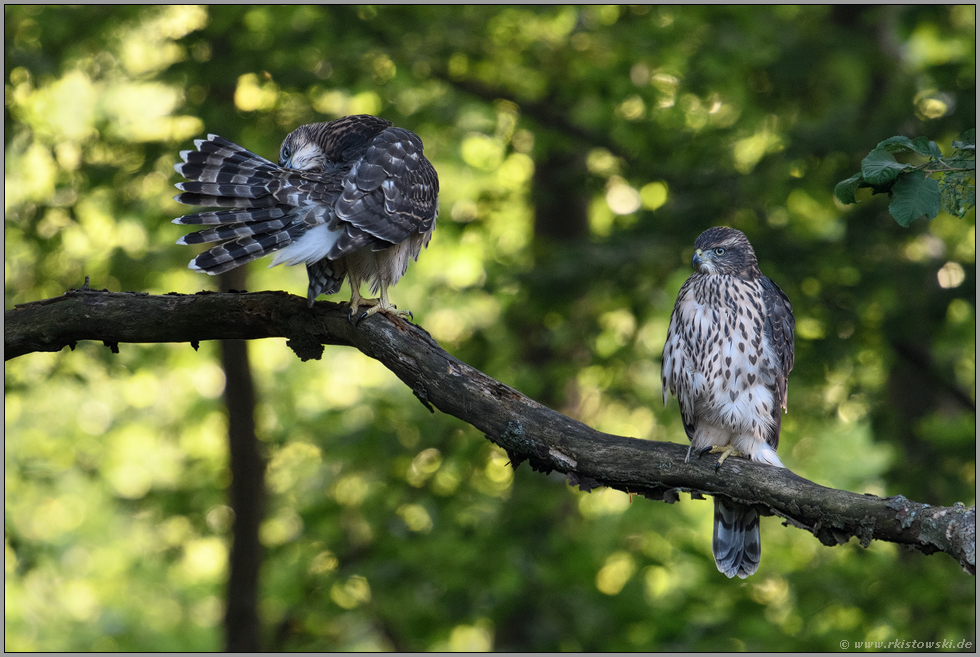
pixel 352 198
pixel 728 355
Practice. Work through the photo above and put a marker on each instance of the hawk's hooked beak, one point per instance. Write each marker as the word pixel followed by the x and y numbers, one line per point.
pixel 698 259
pixel 704 261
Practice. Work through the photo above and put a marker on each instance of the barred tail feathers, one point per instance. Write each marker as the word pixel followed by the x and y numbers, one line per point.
pixel 736 542
pixel 232 232
pixel 293 243
pixel 223 174
pixel 229 217
pixel 245 249
pixel 267 213
pixel 222 154
pixel 211 201
pixel 326 277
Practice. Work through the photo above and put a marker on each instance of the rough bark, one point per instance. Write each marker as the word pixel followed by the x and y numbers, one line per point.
pixel 527 430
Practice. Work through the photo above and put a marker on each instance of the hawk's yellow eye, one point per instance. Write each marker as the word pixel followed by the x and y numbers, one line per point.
pixel 719 251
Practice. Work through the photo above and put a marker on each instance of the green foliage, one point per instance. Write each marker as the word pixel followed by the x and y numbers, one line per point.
pixel 913 191
pixel 580 151
pixel 914 195
pixel 958 187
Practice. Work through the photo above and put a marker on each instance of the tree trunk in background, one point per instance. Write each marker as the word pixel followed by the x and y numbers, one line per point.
pixel 247 491
pixel 559 197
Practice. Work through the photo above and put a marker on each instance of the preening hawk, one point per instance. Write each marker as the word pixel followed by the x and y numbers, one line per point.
pixel 728 355
pixel 353 197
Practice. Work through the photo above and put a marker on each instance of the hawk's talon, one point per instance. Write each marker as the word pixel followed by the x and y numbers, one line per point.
pixel 724 450
pixel 381 305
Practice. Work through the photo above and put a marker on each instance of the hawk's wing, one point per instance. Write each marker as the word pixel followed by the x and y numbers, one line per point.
pixel 390 192
pixel 778 329
pixel 677 374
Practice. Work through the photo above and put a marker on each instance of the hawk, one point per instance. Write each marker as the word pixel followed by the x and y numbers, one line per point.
pixel 728 355
pixel 351 198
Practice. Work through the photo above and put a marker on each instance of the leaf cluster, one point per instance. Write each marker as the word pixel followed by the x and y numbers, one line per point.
pixel 913 190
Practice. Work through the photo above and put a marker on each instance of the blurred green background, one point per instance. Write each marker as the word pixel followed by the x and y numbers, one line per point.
pixel 580 152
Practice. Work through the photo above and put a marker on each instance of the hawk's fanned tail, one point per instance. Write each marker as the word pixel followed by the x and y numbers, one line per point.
pixel 243 250
pixel 736 543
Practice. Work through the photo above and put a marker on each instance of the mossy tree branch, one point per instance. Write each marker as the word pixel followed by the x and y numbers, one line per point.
pixel 527 430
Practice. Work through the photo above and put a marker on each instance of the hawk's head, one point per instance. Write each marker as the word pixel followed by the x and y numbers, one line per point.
pixel 723 250
pixel 318 147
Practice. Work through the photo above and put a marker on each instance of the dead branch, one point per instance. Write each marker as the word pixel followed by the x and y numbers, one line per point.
pixel 525 429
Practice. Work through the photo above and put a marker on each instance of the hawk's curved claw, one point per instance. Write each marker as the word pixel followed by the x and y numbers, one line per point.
pixel 724 450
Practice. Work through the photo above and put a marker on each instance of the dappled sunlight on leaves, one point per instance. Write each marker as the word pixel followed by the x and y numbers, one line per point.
pixel 149 46
pixel 144 112
pixel 280 528
pixel 416 517
pixel 817 219
pixel 750 150
pixel 350 490
pixel 251 96
pixel 204 559
pixel 615 573
pixel 601 502
pixel 496 477
pixel 290 465
pixel 30 176
pixel 65 109
pixel 477 637
pixel 354 592
pixel 423 466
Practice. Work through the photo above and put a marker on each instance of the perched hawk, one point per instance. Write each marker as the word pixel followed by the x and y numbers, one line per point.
pixel 353 197
pixel 728 356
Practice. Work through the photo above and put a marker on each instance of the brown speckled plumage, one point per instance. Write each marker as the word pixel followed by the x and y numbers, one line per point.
pixel 728 355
